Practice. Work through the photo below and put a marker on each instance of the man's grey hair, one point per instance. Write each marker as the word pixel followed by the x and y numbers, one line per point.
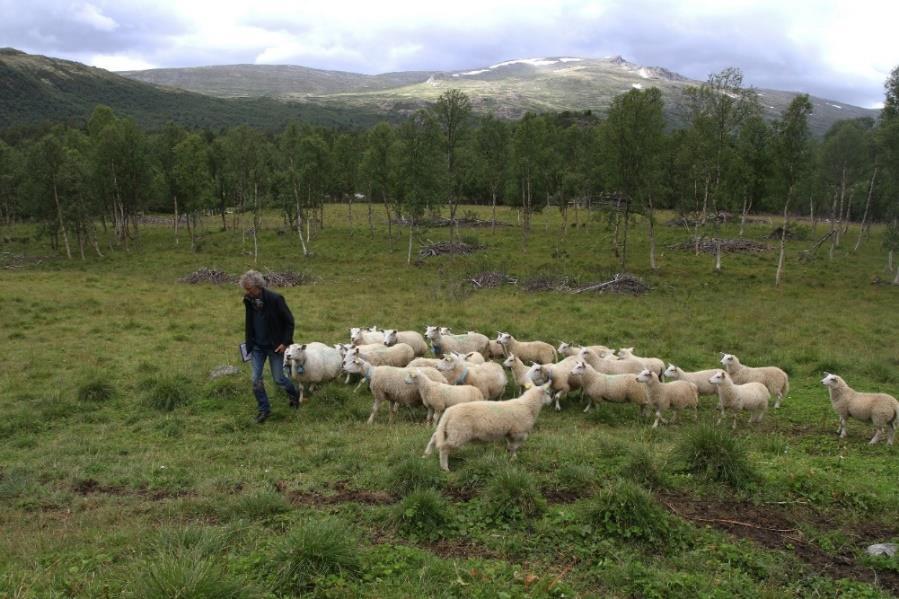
pixel 252 278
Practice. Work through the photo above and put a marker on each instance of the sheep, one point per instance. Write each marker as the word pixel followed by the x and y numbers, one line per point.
pixel 608 365
pixel 379 355
pixel 676 395
pixel 570 349
pixel 312 363
pixel 519 372
pixel 495 349
pixel 489 377
pixel 775 379
pixel 387 383
pixel 441 343
pixel 879 409
pixel 512 420
pixel 471 357
pixel 437 397
pixel 360 336
pixel 527 351
pixel 654 364
pixel 411 338
pixel 700 378
pixel 615 388
pixel 474 357
pixel 752 397
pixel 558 375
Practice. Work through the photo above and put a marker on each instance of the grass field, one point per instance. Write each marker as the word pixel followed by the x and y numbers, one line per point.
pixel 125 471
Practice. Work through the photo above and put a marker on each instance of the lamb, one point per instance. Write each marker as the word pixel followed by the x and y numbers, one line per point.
pixel 411 338
pixel 616 388
pixel 752 397
pixel 437 397
pixel 528 351
pixel 489 377
pixel 700 378
pixel 879 409
pixel 654 364
pixel 520 372
pixel 360 336
pixel 512 420
pixel 387 383
pixel 557 375
pixel 462 344
pixel 608 365
pixel 775 379
pixel 312 363
pixel 676 395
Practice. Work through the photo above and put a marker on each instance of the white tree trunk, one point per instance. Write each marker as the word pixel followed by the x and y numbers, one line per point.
pixel 783 242
pixel 255 223
pixel 175 201
pixel 652 236
pixel 861 228
pixel 411 227
pixel 62 225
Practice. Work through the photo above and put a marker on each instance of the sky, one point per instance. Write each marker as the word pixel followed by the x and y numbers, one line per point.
pixel 838 50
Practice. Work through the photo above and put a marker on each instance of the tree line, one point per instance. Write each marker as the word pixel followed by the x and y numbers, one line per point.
pixel 81 184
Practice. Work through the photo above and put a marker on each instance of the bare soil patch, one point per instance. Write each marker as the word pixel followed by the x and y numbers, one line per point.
pixel 342 494
pixel 89 486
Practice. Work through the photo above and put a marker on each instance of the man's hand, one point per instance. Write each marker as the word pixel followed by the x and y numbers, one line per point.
pixel 280 349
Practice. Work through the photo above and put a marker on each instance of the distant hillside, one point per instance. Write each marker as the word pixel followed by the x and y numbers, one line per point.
pixel 507 89
pixel 35 89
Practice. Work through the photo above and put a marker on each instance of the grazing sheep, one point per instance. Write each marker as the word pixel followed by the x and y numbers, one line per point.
pixel 879 409
pixel 441 343
pixel 512 420
pixel 360 336
pixel 700 378
pixel 411 338
pixel 528 351
pixel 558 375
pixel 616 388
pixel 775 379
pixel 654 364
pixel 609 365
pixel 387 383
pixel 676 395
pixel 570 349
pixel 312 363
pixel 489 377
pixel 519 372
pixel 752 397
pixel 437 397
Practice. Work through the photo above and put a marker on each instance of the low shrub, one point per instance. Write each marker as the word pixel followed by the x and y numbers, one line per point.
pixel 576 478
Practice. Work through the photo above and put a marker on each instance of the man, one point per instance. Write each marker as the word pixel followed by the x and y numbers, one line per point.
pixel 269 330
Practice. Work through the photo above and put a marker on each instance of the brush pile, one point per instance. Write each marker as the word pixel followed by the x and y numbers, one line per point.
pixel 728 246
pixel 490 279
pixel 622 282
pixel 286 279
pixel 208 275
pixel 443 248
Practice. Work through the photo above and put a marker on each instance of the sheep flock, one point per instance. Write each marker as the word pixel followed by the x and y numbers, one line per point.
pixel 464 383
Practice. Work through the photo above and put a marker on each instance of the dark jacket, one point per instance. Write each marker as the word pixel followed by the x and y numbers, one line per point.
pixel 277 316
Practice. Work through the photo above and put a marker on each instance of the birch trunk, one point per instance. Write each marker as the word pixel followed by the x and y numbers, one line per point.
pixel 255 223
pixel 493 221
pixel 811 203
pixel 833 215
pixel 300 226
pixel 783 242
pixel 175 202
pixel 62 225
pixel 743 217
pixel 652 236
pixel 861 228
pixel 411 227
pixel 839 215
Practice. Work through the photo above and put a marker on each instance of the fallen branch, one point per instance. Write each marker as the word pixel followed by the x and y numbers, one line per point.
pixel 734 522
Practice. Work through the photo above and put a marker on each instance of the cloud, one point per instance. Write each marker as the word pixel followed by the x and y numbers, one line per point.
pixel 91 15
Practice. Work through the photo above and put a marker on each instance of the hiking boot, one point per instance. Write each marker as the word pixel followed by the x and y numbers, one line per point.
pixel 262 417
pixel 294 402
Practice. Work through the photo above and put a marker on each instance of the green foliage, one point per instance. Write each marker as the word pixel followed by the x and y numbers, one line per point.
pixel 261 505
pixel 512 495
pixel 312 551
pixel 185 575
pixel 576 478
pixel 96 388
pixel 414 473
pixel 715 454
pixel 226 388
pixel 625 510
pixel 423 513
pixel 166 392
pixel 645 468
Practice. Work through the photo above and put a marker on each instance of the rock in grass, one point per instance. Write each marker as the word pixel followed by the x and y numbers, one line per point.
pixel 888 549
pixel 222 371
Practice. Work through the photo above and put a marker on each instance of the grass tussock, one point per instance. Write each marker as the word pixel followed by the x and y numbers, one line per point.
pixel 312 551
pixel 716 455
pixel 414 473
pixel 576 478
pixel 255 506
pixel 167 392
pixel 423 513
pixel 625 510
pixel 645 468
pixel 512 495
pixel 95 388
pixel 187 574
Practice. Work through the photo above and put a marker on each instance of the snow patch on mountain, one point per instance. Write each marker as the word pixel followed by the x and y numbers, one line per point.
pixel 537 62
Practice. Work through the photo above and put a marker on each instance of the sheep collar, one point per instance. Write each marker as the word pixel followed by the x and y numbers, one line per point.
pixel 367 374
pixel 437 349
pixel 462 376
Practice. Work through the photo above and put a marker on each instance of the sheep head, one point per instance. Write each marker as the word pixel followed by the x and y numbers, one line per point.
pixel 645 376
pixel 670 372
pixel 831 380
pixel 718 378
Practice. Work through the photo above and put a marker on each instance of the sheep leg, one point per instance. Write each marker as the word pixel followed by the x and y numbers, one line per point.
pixel 437 416
pixel 394 407
pixel 514 442
pixel 876 436
pixel 431 444
pixel 589 404
pixel 374 408
pixel 673 416
pixel 842 428
pixel 362 380
pixel 658 417
pixel 892 433
pixel 430 417
pixel 444 458
pixel 777 401
pixel 734 427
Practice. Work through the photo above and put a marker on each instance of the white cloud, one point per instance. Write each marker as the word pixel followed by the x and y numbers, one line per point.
pixel 119 62
pixel 91 15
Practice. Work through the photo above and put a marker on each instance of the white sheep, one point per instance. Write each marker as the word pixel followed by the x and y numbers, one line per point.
pixel 489 377
pixel 700 378
pixel 527 351
pixel 519 372
pixel 609 365
pixel 676 395
pixel 495 349
pixel 616 388
pixel 387 383
pixel 775 379
pixel 360 336
pixel 879 409
pixel 411 338
pixel 441 343
pixel 752 397
pixel 437 397
pixel 558 375
pixel 654 364
pixel 380 355
pixel 312 363
pixel 471 357
pixel 512 420
pixel 570 349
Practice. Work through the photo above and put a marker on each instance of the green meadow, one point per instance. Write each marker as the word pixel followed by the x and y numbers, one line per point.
pixel 126 471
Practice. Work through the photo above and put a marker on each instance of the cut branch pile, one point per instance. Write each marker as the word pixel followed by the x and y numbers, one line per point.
pixel 621 283
pixel 545 283
pixel 286 279
pixel 436 223
pixel 729 246
pixel 448 247
pixel 12 261
pixel 491 278
pixel 208 275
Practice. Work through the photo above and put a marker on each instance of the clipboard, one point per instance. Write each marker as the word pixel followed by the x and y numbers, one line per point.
pixel 244 353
